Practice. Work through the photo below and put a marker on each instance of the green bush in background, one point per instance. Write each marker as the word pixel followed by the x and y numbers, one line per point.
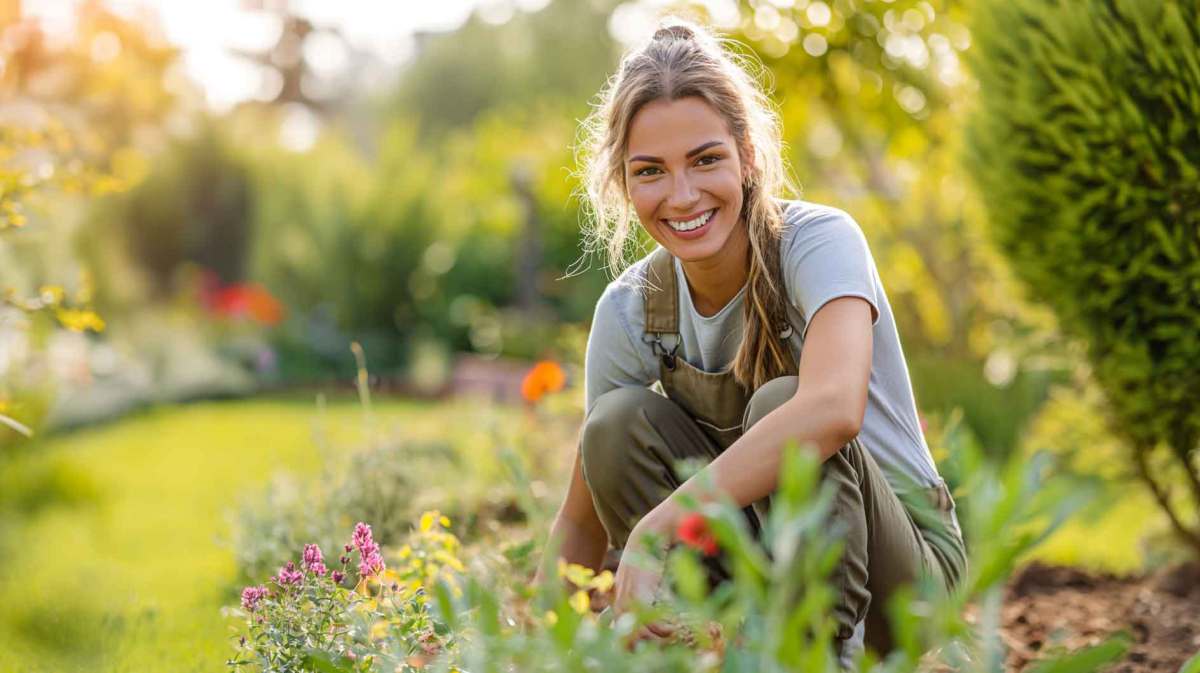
pixel 1087 152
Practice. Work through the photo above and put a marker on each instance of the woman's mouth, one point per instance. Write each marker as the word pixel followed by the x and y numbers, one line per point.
pixel 692 228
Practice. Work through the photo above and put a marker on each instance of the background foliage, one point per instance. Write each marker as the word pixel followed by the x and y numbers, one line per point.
pixel 1087 153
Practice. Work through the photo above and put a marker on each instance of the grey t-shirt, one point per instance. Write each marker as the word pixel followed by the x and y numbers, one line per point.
pixel 824 256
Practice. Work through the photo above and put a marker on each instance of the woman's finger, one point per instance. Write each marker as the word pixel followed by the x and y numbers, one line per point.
pixel 661 629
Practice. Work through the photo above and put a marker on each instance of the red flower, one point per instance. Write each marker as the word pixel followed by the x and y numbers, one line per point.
pixel 694 532
pixel 248 300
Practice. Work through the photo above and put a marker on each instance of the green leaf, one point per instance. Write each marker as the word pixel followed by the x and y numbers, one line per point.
pixel 1087 659
pixel 324 662
pixel 1191 665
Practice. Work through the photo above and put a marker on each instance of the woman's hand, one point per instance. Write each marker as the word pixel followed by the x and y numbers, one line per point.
pixel 637 581
pixel 640 575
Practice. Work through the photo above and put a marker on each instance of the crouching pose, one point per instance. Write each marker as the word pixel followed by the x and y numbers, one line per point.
pixel 765 322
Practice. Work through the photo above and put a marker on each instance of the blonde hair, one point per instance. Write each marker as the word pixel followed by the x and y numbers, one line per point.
pixel 681 60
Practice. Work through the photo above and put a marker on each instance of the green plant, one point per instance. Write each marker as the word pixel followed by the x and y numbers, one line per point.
pixel 772 616
pixel 308 619
pixel 1087 153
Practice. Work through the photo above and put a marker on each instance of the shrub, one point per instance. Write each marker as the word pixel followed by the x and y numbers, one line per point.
pixel 1087 152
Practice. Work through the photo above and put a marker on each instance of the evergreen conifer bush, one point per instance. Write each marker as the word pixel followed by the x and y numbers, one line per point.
pixel 1086 148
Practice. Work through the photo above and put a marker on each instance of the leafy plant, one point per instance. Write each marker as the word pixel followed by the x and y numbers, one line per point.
pixel 1087 154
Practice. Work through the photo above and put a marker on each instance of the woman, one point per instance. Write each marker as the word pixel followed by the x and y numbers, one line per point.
pixel 765 322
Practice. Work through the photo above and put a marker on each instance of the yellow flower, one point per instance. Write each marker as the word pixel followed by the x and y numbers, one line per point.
pixel 379 629
pixel 576 574
pixel 551 617
pixel 52 295
pixel 602 582
pixel 580 602
pixel 79 320
pixel 428 519
pixel 404 552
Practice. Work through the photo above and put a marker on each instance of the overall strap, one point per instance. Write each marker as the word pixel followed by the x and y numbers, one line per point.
pixel 661 298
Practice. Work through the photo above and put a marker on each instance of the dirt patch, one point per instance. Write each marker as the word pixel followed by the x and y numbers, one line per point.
pixel 1051 609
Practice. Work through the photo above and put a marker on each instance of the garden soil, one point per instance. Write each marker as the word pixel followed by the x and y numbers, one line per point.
pixel 1048 608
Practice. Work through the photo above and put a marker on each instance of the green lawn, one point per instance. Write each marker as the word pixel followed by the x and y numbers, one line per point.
pixel 132 574
pixel 128 568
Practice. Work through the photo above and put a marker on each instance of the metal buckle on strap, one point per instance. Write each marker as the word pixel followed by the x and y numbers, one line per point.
pixel 940 497
pixel 668 357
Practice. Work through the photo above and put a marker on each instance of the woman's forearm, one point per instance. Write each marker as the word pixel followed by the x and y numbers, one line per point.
pixel 749 469
pixel 578 545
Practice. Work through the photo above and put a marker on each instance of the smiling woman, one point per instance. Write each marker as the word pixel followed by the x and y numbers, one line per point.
pixel 765 322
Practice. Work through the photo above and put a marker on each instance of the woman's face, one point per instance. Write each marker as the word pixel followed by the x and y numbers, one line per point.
pixel 684 177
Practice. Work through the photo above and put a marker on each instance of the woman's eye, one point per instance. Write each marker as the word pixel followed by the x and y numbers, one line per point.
pixel 699 162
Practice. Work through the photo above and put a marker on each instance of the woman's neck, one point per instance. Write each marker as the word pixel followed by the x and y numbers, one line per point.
pixel 715 281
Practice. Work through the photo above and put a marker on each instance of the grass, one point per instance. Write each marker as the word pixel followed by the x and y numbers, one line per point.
pixel 117 558
pixel 127 571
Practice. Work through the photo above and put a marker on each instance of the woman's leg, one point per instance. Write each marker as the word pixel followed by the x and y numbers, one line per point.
pixel 884 547
pixel 848 513
pixel 630 443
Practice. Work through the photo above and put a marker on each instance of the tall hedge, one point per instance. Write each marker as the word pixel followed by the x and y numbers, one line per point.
pixel 1085 144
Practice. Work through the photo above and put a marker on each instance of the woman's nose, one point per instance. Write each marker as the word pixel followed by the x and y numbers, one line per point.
pixel 683 193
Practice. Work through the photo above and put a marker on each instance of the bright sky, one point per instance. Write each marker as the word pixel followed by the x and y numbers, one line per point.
pixel 206 30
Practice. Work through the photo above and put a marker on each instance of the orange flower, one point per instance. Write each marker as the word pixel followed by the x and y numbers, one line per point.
pixel 545 377
pixel 694 532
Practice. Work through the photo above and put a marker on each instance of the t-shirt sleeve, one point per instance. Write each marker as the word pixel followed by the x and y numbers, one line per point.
pixel 612 359
pixel 826 257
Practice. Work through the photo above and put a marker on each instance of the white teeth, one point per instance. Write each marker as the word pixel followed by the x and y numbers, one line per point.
pixel 692 224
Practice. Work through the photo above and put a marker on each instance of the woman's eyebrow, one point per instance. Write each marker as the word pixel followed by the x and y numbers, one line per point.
pixel 689 155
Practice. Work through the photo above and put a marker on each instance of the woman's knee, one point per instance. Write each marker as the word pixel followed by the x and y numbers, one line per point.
pixel 608 436
pixel 767 398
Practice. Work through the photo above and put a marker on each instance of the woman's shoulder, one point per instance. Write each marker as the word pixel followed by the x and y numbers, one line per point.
pixel 810 227
pixel 800 216
pixel 623 298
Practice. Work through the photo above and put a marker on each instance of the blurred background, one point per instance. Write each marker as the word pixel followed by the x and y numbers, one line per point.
pixel 204 204
pixel 240 190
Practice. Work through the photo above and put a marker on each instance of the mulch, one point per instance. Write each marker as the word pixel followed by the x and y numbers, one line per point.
pixel 1050 609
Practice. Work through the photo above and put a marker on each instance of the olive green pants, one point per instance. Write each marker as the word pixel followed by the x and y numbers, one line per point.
pixel 633 438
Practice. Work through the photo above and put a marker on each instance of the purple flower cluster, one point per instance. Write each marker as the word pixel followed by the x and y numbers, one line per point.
pixel 314 562
pixel 289 574
pixel 368 550
pixel 251 596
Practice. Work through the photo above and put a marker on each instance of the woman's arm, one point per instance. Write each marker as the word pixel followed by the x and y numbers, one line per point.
pixel 577 528
pixel 826 411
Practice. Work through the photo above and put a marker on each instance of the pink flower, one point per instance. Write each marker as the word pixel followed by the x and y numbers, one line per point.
pixel 363 539
pixel 251 596
pixel 288 574
pixel 338 576
pixel 371 565
pixel 313 561
pixel 368 551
